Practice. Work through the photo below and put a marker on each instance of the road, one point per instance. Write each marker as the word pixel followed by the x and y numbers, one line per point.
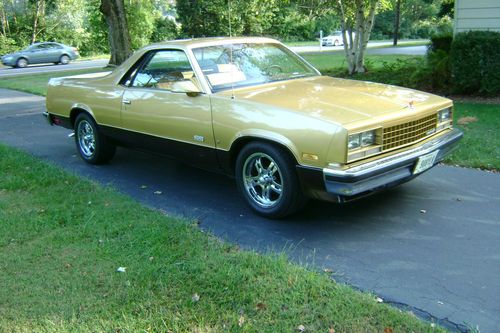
pixel 49 68
pixel 99 63
pixel 430 246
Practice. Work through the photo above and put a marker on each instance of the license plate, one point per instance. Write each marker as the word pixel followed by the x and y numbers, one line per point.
pixel 425 162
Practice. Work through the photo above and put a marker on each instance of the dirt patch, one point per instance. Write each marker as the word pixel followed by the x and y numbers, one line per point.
pixel 466 120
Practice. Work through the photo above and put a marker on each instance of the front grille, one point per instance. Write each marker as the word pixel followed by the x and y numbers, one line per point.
pixel 407 133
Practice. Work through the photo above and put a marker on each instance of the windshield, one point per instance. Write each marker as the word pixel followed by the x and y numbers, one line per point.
pixel 247 64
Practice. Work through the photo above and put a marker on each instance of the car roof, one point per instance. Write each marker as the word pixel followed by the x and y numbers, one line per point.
pixel 210 41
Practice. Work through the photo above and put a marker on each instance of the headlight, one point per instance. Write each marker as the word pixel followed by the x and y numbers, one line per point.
pixel 444 115
pixel 362 139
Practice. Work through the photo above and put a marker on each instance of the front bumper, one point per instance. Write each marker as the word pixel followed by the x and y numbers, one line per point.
pixel 345 185
pixel 388 171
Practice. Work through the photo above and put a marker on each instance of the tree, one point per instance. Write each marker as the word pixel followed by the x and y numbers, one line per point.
pixel 357 17
pixel 397 15
pixel 118 34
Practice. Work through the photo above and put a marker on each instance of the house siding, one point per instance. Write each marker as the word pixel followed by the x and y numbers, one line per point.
pixel 477 15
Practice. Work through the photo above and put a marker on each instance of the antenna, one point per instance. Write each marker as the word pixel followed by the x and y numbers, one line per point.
pixel 231 49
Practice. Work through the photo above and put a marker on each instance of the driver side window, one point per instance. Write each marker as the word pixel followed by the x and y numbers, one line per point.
pixel 163 70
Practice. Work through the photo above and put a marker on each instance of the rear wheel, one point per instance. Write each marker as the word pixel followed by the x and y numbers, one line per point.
pixel 93 147
pixel 64 59
pixel 21 63
pixel 266 178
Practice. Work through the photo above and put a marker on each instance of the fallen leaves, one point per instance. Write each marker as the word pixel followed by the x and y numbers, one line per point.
pixel 121 269
pixel 241 321
pixel 260 306
pixel 195 298
pixel 464 121
pixel 301 328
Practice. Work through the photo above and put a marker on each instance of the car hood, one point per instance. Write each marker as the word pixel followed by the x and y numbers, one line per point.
pixel 341 101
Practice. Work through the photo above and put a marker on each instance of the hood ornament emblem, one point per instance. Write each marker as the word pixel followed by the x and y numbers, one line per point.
pixel 411 105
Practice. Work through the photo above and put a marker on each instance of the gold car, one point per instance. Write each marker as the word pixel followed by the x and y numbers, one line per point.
pixel 253 109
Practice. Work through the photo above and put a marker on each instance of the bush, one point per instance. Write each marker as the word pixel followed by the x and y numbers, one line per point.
pixel 475 62
pixel 7 45
pixel 441 42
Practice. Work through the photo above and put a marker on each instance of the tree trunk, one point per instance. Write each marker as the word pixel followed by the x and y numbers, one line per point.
pixel 118 34
pixel 397 16
pixel 363 22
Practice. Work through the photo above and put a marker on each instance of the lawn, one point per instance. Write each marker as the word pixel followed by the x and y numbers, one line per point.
pixel 78 257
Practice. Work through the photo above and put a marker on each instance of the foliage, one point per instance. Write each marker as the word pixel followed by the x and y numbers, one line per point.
pixel 164 29
pixel 418 19
pixel 475 62
pixel 7 45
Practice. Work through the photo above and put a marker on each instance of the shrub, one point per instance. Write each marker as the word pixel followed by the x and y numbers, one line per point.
pixel 475 62
pixel 441 42
pixel 7 45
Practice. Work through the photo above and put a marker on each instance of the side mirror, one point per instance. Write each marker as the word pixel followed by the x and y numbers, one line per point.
pixel 187 86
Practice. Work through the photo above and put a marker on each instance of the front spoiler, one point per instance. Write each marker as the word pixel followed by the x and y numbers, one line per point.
pixel 388 171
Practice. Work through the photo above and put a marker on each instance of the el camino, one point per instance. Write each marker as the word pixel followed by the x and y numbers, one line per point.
pixel 254 110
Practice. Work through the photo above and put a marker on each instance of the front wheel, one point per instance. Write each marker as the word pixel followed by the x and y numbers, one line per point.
pixel 266 178
pixel 93 147
pixel 21 63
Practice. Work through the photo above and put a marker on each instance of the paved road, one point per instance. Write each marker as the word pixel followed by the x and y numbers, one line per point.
pixel 444 263
pixel 48 68
pixel 373 48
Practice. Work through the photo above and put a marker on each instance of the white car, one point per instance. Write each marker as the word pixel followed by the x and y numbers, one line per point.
pixel 335 39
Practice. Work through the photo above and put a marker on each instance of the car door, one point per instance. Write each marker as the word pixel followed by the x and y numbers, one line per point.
pixel 35 54
pixel 52 52
pixel 158 117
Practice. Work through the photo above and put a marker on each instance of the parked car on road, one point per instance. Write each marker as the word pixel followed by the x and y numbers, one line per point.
pixel 335 39
pixel 253 109
pixel 39 53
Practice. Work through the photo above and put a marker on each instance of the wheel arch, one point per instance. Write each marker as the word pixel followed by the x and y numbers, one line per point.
pixel 242 141
pixel 78 109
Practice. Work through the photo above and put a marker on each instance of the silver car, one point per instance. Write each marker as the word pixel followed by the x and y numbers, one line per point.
pixel 39 53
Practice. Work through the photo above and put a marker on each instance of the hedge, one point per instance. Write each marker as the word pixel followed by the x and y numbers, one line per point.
pixel 475 62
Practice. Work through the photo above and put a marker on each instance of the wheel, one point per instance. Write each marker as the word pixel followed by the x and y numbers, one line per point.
pixel 266 177
pixel 21 63
pixel 91 144
pixel 64 59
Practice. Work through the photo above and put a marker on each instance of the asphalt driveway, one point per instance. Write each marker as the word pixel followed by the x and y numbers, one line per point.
pixel 431 246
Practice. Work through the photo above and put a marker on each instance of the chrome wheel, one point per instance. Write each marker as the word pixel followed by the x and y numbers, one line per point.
pixel 86 138
pixel 263 180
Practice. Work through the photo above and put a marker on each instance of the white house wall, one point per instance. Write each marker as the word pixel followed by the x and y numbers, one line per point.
pixel 477 15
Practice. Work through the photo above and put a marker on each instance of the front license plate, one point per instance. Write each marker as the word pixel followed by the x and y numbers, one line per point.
pixel 425 162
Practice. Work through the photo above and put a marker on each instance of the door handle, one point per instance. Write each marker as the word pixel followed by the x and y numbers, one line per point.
pixel 127 101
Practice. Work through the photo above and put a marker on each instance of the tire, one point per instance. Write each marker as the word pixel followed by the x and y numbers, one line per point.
pixel 92 146
pixel 266 177
pixel 21 63
pixel 64 60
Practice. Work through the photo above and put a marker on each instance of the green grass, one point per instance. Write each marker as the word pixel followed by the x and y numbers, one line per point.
pixel 37 83
pixel 480 147
pixel 63 238
pixel 334 62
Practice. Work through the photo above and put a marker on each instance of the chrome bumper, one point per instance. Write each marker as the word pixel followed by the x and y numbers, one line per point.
pixel 47 116
pixel 388 171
